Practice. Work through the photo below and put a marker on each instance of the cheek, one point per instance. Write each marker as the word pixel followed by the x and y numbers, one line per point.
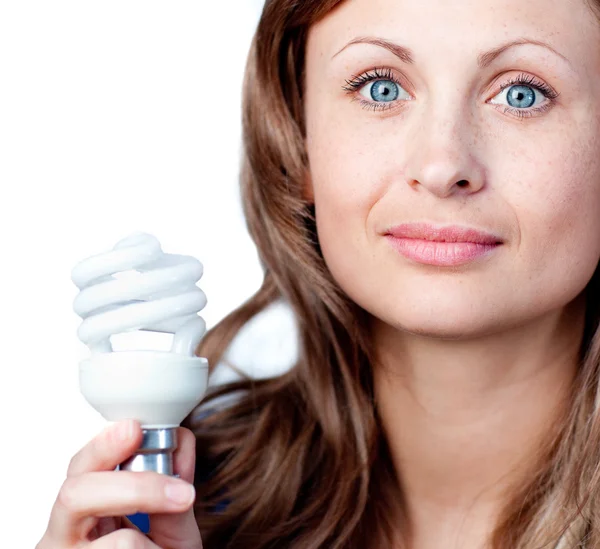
pixel 349 176
pixel 345 165
pixel 556 206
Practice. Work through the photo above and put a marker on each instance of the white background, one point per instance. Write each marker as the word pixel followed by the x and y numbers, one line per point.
pixel 115 116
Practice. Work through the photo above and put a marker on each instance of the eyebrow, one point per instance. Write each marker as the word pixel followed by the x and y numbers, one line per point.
pixel 483 60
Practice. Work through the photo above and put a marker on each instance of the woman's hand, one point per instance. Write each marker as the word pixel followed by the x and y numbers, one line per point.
pixel 90 509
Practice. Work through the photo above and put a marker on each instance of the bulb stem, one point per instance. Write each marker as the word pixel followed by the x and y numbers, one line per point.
pixel 155 452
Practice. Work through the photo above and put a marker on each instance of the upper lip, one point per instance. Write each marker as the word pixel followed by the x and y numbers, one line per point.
pixel 448 233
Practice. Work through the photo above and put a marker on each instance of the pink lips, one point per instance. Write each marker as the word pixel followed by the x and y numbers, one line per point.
pixel 442 246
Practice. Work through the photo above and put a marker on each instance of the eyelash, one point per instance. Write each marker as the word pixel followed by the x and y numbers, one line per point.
pixel 357 82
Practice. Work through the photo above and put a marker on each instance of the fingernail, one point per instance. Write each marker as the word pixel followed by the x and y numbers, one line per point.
pixel 180 492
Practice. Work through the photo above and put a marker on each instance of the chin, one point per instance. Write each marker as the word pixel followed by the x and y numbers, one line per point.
pixel 444 331
pixel 440 325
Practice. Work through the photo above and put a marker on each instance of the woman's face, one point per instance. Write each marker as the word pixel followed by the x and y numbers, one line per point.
pixel 447 140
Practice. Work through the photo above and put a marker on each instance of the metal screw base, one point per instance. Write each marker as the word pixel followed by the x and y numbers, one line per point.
pixel 155 453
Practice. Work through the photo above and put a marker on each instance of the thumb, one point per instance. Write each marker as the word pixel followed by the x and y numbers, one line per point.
pixel 179 530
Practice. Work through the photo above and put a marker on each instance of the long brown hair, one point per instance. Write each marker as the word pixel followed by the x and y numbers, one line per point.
pixel 300 460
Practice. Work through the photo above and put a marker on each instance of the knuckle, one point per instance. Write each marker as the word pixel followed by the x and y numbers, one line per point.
pixel 129 539
pixel 67 495
pixel 73 463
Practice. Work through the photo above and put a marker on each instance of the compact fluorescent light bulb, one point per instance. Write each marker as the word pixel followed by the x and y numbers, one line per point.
pixel 157 388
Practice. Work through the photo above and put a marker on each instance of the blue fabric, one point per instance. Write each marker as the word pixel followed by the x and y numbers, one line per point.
pixel 141 520
pixel 221 506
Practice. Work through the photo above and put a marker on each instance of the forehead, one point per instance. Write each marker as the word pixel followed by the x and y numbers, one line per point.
pixel 442 28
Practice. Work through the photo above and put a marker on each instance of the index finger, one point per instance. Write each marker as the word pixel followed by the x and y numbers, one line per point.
pixel 105 451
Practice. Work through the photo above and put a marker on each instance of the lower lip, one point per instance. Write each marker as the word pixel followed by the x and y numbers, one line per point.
pixel 443 254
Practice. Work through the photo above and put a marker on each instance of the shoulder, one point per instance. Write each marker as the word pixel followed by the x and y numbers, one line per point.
pixel 266 346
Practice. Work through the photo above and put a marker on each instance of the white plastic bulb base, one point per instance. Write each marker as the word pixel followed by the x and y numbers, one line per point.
pixel 157 388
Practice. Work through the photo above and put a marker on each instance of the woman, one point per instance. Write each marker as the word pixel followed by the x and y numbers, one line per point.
pixel 426 197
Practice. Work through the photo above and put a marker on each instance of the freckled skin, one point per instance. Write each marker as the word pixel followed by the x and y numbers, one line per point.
pixel 535 182
pixel 490 347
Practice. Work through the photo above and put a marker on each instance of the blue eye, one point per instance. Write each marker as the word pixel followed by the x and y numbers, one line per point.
pixel 379 87
pixel 520 96
pixel 381 91
pixel 523 96
pixel 521 93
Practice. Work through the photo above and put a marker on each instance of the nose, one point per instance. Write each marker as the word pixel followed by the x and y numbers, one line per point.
pixel 443 160
pixel 443 179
